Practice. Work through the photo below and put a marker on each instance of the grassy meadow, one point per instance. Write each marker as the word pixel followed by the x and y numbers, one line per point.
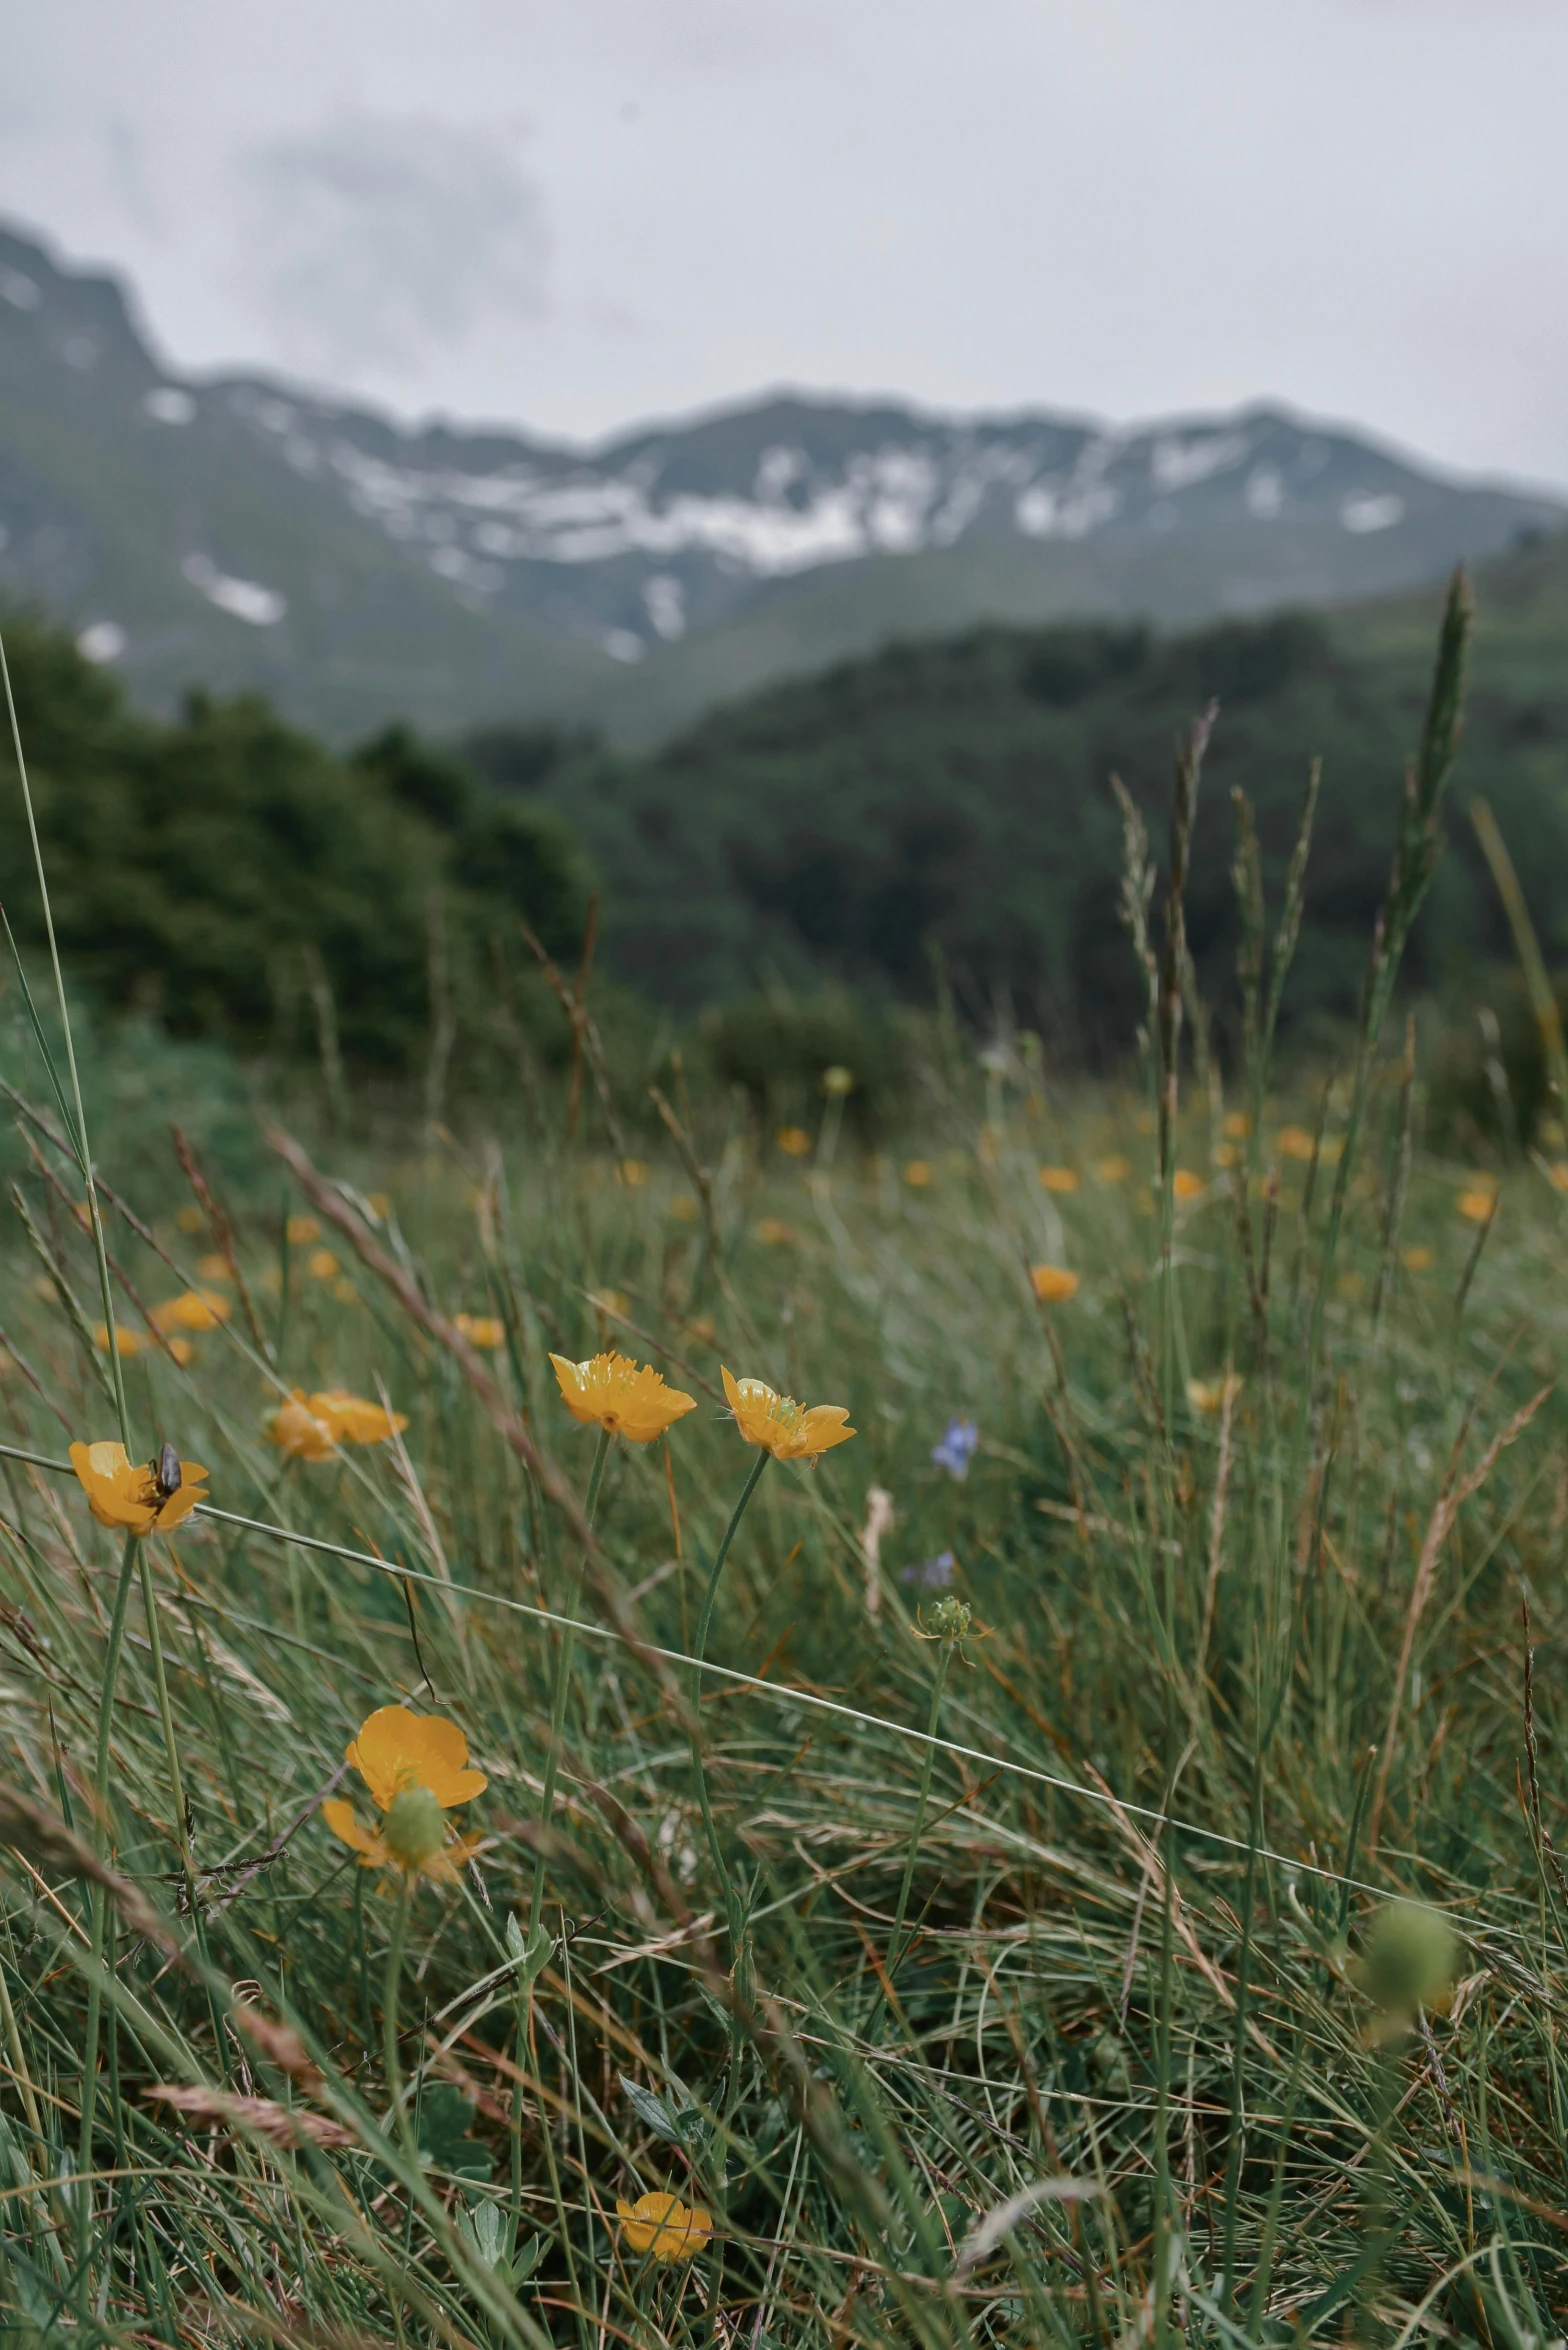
pixel 1074 1865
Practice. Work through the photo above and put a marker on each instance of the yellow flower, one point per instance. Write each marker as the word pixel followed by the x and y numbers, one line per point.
pixel 664 2226
pixel 610 1301
pixel 1478 1204
pixel 1186 1185
pixel 1211 1395
pixel 1558 1172
pixel 214 1268
pixel 396 1749
pixel 351 1420
pixel 794 1141
pixel 486 1330
pixel 414 1766
pixel 297 1433
pixel 302 1230
pixel 1237 1124
pixel 634 1174
pixel 775 1233
pixel 189 1218
pixel 838 1081
pixel 780 1425
pixel 1059 1178
pixel 321 1265
pixel 126 1342
pixel 127 1494
pixel 379 1204
pixel 1053 1284
pixel 1418 1260
pixel 1115 1169
pixel 193 1309
pixel 684 1208
pixel 345 1292
pixel 181 1349
pixel 1294 1142
pixel 918 1174
pixel 1226 1154
pixel 625 1398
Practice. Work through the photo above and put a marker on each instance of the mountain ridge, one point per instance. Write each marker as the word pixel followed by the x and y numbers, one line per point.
pixel 233 530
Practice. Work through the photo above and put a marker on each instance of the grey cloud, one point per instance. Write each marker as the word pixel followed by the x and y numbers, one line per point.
pixel 374 240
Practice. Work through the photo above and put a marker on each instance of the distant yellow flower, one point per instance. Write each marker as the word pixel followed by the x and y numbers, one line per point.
pixel 610 1301
pixel 193 1309
pixel 302 1230
pixel 214 1268
pixel 1418 1260
pixel 918 1174
pixel 775 1232
pixel 189 1218
pixel 414 1766
pixel 379 1204
pixel 1053 1284
pixel 837 1082
pixel 1477 1207
pixel 794 1141
pixel 351 1420
pixel 684 1208
pixel 622 1397
pixel 1225 1154
pixel 484 1330
pixel 786 1429
pixel 1294 1142
pixel 633 1173
pixel 181 1349
pixel 129 1494
pixel 1186 1185
pixel 705 1329
pixel 1211 1395
pixel 297 1433
pixel 1115 1169
pixel 1237 1124
pixel 321 1265
pixel 664 2226
pixel 344 1291
pixel 1059 1178
pixel 1351 1286
pixel 126 1342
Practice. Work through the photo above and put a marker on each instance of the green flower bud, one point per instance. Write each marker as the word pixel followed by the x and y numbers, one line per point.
pixel 949 1619
pixel 414 1829
pixel 1412 1957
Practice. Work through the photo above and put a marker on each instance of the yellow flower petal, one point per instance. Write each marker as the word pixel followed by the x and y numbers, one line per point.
pixel 397 1749
pixel 788 1430
pixel 1053 1284
pixel 124 1494
pixel 626 1398
pixel 1059 1178
pixel 664 2226
pixel 350 1419
pixel 297 1433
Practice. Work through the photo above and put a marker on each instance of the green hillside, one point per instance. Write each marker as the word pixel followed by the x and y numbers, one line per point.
pixel 955 792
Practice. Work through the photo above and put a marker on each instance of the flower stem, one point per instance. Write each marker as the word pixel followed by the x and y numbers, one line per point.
pixel 111 1675
pixel 563 1676
pixel 699 1651
pixel 397 2109
pixel 895 1948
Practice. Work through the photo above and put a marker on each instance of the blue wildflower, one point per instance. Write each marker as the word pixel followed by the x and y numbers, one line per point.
pixel 957 1448
pixel 932 1574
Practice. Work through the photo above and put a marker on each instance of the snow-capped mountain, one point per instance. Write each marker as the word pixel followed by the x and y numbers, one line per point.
pixel 234 531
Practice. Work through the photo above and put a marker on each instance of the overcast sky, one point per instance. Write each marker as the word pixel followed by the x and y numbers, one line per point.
pixel 574 214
